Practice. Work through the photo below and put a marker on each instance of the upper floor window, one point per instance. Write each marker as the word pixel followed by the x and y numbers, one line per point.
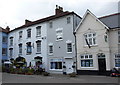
pixel 20 48
pixel 59 34
pixel 29 33
pixel 38 31
pixel 4 51
pixel 50 24
pixel 4 39
pixel 11 41
pixel 90 39
pixel 38 45
pixel 69 47
pixel 86 60
pixel 29 48
pixel 11 52
pixel 68 20
pixel 20 34
pixel 50 49
pixel 119 36
pixel 117 60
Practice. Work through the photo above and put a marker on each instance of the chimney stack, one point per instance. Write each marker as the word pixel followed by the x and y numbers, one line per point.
pixel 8 28
pixel 27 21
pixel 58 10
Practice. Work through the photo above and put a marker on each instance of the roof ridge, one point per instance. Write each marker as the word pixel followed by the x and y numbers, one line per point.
pixel 109 15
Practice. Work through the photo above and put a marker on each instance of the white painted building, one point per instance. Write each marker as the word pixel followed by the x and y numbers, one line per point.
pixel 29 41
pixel 97 44
pixel 51 39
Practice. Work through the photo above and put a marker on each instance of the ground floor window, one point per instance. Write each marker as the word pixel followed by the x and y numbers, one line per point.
pixel 117 60
pixel 86 60
pixel 56 64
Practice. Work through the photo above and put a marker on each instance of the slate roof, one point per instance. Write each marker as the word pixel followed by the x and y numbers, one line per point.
pixel 45 19
pixel 112 21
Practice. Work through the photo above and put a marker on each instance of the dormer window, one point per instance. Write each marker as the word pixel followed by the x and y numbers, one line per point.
pixel 38 31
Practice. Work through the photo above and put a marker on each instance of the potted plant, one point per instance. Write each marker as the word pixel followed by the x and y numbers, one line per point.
pixel 64 66
pixel 72 74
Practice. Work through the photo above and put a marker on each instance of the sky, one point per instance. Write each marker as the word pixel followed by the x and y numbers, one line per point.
pixel 14 12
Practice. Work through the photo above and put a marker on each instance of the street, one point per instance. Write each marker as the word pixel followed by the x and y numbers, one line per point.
pixel 57 78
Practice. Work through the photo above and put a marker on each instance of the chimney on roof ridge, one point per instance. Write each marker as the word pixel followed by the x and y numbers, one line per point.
pixel 27 21
pixel 8 28
pixel 58 10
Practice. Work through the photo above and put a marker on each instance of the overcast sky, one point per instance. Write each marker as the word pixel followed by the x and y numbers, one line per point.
pixel 14 12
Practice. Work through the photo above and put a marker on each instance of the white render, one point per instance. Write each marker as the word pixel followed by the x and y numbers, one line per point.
pixel 88 24
pixel 33 39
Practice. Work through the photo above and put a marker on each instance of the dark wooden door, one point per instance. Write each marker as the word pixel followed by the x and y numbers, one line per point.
pixel 102 66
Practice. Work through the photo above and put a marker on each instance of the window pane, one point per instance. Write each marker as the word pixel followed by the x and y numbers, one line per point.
pixel 50 49
pixel 86 63
pixel 69 47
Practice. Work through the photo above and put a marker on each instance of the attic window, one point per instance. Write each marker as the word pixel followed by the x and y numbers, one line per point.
pixel 50 24
pixel 68 20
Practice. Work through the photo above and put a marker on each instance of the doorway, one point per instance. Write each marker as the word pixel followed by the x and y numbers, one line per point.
pixel 101 64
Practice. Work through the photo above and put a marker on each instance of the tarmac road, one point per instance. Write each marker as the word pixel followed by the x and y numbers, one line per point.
pixel 56 78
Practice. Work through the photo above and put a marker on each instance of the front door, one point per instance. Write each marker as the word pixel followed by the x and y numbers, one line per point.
pixel 102 66
pixel 69 63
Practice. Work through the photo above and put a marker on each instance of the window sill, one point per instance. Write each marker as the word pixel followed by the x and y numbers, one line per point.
pixel 56 69
pixel 59 40
pixel 38 53
pixel 87 67
pixel 91 45
pixel 28 53
pixel 69 52
pixel 50 54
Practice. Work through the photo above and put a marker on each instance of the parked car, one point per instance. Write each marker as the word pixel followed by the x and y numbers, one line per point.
pixel 115 73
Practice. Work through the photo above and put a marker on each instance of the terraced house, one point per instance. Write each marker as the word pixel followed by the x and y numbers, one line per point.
pixel 3 44
pixel 48 41
pixel 98 44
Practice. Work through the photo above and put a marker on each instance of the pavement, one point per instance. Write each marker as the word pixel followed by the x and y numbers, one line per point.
pixel 57 78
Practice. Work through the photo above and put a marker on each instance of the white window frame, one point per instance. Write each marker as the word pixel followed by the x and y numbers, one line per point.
pixel 92 38
pixel 29 30
pixel 71 47
pixel 50 52
pixel 56 60
pixel 20 34
pixel 68 20
pixel 86 57
pixel 38 48
pixel 38 31
pixel 11 52
pixel 59 34
pixel 11 41
pixel 117 58
pixel 20 49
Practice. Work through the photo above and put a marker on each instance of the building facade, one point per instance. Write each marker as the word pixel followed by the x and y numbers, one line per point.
pixel 3 44
pixel 48 41
pixel 61 51
pixel 97 44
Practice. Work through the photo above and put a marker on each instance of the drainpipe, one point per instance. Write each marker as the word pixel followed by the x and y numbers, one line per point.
pixel 75 51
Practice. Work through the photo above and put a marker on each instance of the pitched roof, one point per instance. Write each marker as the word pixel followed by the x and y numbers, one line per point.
pixel 4 30
pixel 89 12
pixel 46 19
pixel 111 20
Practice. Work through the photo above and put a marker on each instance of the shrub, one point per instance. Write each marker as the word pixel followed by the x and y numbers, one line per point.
pixel 72 74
